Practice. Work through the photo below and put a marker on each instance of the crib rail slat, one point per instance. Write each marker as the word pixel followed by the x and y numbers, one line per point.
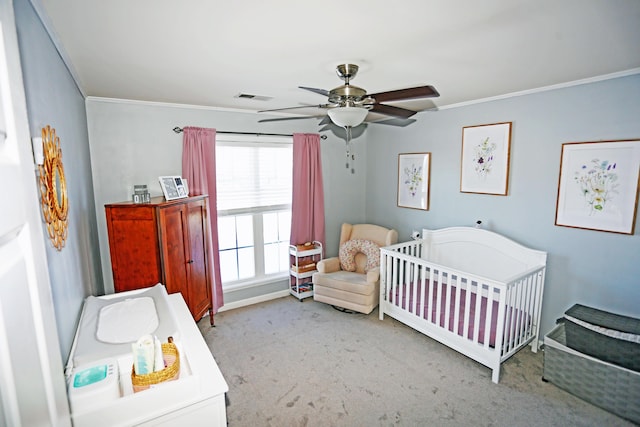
pixel 414 287
pixel 422 287
pixel 459 302
pixel 437 303
pixel 488 318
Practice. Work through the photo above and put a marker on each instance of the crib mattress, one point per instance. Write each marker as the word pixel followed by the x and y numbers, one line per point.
pixel 514 318
pixel 606 336
pixel 611 387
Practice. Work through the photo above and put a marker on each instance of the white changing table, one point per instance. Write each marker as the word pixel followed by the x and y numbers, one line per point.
pixel 196 398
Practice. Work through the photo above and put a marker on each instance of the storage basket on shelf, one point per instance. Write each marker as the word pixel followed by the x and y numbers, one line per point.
pixel 171 371
pixel 304 267
pixel 306 246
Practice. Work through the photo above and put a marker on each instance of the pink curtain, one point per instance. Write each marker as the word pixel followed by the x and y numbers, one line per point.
pixel 307 206
pixel 199 169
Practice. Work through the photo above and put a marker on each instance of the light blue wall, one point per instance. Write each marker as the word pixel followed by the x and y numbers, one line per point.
pixel 589 267
pixel 53 99
pixel 133 143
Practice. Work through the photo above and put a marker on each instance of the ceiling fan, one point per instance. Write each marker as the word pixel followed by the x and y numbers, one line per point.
pixel 348 105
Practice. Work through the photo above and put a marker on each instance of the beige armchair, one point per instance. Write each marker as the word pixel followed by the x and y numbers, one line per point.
pixel 354 290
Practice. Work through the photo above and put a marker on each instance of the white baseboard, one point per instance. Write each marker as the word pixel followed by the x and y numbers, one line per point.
pixel 254 300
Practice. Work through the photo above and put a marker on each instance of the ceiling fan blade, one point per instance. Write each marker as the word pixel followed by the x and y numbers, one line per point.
pixel 299 106
pixel 390 110
pixel 315 90
pixel 409 93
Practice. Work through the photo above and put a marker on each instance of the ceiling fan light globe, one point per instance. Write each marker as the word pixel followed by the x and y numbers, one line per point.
pixel 348 116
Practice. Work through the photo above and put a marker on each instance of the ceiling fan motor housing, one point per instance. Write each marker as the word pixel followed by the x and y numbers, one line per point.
pixel 346 94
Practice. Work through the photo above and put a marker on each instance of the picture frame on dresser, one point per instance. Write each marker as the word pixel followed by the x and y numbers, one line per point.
pixel 598 185
pixel 173 187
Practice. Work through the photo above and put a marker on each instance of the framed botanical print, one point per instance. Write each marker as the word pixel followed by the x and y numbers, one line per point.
pixel 485 159
pixel 413 180
pixel 598 185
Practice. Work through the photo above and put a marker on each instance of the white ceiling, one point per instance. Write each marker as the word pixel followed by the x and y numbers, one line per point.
pixel 206 52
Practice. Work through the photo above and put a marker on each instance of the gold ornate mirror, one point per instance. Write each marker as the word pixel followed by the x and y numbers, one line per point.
pixel 53 188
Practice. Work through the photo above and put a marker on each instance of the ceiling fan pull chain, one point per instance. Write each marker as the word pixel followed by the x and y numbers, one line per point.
pixel 350 158
pixel 348 144
pixel 348 155
pixel 353 161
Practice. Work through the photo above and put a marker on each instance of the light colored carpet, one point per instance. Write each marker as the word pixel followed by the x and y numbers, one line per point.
pixel 291 363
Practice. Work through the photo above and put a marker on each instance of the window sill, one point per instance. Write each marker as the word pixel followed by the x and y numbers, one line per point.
pixel 252 283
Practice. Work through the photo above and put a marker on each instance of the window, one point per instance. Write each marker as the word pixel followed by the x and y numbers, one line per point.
pixel 254 207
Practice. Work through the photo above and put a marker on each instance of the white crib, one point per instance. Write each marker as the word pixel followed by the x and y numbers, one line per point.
pixel 473 290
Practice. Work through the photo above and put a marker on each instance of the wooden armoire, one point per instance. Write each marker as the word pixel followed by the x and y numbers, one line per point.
pixel 162 242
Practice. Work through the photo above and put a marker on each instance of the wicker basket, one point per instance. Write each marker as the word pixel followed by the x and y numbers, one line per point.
pixel 305 246
pixel 611 387
pixel 303 268
pixel 169 373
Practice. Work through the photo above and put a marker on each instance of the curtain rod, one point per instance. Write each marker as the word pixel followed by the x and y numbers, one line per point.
pixel 179 130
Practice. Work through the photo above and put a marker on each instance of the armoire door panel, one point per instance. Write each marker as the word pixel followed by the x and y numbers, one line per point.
pixel 134 254
pixel 175 256
pixel 199 289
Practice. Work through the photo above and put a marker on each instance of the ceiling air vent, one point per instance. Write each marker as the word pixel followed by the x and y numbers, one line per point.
pixel 253 97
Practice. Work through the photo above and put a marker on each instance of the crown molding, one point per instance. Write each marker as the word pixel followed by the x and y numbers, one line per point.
pixel 167 104
pixel 545 88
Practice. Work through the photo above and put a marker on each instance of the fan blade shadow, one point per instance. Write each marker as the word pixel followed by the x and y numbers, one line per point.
pixel 326 120
pixel 322 106
pixel 396 122
pixel 341 133
pixel 280 119
pixel 390 110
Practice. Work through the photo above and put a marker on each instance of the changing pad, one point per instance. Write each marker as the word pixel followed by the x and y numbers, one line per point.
pixel 108 326
pixel 138 315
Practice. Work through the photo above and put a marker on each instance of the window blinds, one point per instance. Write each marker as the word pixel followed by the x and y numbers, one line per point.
pixel 253 176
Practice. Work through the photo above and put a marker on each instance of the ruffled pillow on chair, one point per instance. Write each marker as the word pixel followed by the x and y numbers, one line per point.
pixel 350 248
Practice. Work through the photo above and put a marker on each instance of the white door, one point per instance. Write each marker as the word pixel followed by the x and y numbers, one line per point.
pixel 32 387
